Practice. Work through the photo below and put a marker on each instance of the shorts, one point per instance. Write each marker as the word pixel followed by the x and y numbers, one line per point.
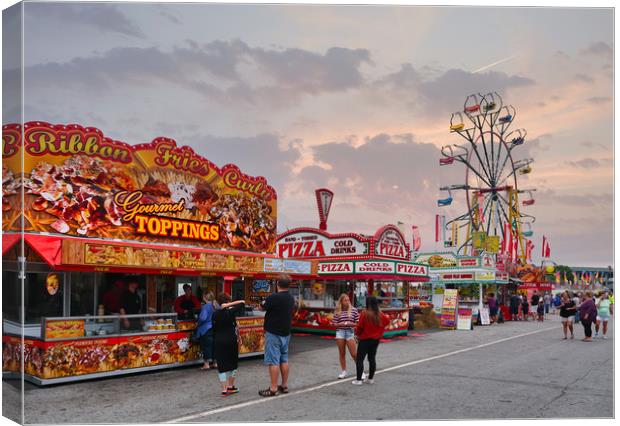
pixel 493 312
pixel 603 317
pixel 345 333
pixel 568 320
pixel 276 348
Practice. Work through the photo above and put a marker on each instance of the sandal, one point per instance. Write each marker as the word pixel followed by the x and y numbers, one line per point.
pixel 282 389
pixel 232 389
pixel 267 392
pixel 225 393
pixel 205 368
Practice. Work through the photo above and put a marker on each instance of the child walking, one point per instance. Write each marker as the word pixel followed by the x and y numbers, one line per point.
pixel 540 310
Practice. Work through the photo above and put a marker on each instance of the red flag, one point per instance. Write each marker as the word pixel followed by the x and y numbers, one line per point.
pixel 437 228
pixel 510 248
pixel 417 240
pixel 546 248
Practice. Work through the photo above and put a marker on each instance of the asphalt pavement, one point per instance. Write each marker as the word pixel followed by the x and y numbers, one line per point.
pixel 511 370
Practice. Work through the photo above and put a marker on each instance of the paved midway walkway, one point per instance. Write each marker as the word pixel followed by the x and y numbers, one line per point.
pixel 512 370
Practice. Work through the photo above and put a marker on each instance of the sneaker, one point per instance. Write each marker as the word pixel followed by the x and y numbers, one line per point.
pixel 369 381
pixel 364 376
pixel 342 375
pixel 595 335
pixel 604 337
pixel 357 382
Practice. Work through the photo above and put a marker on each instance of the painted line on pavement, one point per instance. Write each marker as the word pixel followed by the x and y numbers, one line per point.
pixel 340 381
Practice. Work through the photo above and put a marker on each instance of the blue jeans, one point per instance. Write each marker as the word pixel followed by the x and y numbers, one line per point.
pixel 206 346
pixel 276 348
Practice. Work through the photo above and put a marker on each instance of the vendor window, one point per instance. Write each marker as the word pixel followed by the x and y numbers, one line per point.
pixel 82 294
pixel 11 295
pixel 321 294
pixel 112 286
pixel 43 296
pixel 390 294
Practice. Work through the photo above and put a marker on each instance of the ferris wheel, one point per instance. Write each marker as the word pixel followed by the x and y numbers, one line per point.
pixel 490 183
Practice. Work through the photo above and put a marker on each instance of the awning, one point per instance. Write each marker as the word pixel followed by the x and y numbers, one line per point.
pixel 8 241
pixel 48 248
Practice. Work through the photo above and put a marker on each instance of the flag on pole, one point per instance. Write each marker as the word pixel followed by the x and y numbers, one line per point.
pixel 417 240
pixel 510 248
pixel 546 249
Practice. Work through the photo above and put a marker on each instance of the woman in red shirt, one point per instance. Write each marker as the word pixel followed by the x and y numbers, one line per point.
pixel 368 331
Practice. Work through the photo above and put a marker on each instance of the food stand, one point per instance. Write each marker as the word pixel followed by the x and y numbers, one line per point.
pixel 99 214
pixel 473 276
pixel 354 264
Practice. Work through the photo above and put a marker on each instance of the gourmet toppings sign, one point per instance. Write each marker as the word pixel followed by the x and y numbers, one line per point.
pixel 79 182
pixel 390 242
pixel 309 244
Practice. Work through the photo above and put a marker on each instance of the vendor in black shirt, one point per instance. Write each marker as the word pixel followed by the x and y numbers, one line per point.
pixel 131 305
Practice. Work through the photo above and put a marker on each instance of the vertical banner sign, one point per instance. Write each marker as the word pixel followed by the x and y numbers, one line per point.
pixel 455 235
pixel 440 228
pixel 436 228
pixel 417 240
pixel 448 308
pixel 480 208
pixel 324 199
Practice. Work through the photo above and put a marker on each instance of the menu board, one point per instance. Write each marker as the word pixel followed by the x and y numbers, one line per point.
pixel 286 266
pixel 448 309
pixel 60 329
pixel 464 319
pixel 84 253
pixel 484 316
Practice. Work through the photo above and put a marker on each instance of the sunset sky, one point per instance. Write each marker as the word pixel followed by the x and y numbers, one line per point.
pixel 353 98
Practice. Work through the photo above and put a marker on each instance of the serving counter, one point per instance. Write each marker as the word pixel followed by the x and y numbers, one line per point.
pixel 81 348
pixel 319 320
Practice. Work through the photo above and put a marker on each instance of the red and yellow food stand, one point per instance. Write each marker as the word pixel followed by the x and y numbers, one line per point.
pixel 357 265
pixel 99 214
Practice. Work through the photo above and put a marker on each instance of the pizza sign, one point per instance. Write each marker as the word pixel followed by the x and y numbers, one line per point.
pixel 336 268
pixel 309 244
pixel 390 242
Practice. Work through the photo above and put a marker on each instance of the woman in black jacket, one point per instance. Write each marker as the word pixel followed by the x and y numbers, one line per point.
pixel 225 334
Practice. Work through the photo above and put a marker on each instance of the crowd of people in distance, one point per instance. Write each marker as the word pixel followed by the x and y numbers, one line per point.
pixel 586 308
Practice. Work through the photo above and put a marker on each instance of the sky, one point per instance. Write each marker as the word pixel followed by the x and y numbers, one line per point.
pixel 354 98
